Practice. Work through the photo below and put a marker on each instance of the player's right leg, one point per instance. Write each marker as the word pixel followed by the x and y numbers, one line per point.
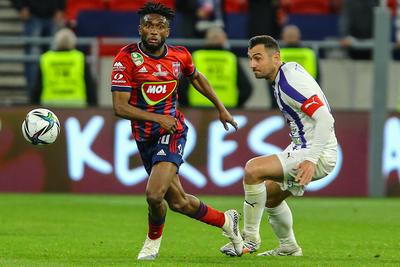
pixel 281 220
pixel 257 170
pixel 191 206
pixel 159 181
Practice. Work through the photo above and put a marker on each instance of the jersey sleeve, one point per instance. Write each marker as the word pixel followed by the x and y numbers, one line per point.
pixel 301 94
pixel 188 68
pixel 121 73
pixel 311 105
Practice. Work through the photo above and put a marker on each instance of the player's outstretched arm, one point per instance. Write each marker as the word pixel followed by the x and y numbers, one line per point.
pixel 202 85
pixel 123 109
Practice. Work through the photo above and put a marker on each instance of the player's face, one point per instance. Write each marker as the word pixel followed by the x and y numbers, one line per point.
pixel 153 29
pixel 263 62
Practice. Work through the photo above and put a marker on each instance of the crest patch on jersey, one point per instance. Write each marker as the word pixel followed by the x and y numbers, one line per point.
pixel 176 68
pixel 137 58
pixel 311 105
pixel 155 92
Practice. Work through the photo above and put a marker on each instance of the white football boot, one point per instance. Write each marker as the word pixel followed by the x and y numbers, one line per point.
pixel 231 230
pixel 249 246
pixel 283 251
pixel 150 249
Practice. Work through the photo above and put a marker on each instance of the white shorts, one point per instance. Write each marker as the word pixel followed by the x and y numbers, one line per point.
pixel 290 158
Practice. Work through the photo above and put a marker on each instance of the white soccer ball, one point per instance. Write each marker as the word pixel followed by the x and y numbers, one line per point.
pixel 41 127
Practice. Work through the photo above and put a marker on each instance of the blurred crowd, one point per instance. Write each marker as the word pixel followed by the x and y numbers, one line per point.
pixel 238 19
pixel 196 16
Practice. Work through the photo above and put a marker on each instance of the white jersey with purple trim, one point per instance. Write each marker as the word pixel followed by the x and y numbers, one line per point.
pixel 298 96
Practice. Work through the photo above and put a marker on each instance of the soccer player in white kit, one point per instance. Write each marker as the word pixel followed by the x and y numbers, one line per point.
pixel 269 180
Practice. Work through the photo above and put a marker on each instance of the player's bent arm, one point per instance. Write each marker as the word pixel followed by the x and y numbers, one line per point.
pixel 200 82
pixel 323 128
pixel 123 109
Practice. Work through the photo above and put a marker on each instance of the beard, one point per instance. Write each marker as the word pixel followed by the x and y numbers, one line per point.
pixel 153 47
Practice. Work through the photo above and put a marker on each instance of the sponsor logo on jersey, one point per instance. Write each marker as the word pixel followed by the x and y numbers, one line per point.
pixel 143 69
pixel 159 71
pixel 306 106
pixel 180 150
pixel 118 66
pixel 118 78
pixel 137 58
pixel 176 68
pixel 155 92
pixel 311 105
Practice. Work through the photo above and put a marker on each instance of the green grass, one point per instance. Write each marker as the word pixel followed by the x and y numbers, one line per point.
pixel 88 230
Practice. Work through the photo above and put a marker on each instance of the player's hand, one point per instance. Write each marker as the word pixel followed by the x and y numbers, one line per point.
pixel 225 117
pixel 168 123
pixel 305 172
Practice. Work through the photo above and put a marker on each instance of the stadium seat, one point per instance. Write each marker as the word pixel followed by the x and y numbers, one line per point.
pixel 307 6
pixel 235 6
pixel 315 27
pixel 106 23
pixel 74 7
pixel 125 5
pixel 236 25
pixel 134 5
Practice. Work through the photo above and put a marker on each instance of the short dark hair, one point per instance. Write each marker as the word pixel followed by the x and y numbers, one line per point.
pixel 156 8
pixel 266 40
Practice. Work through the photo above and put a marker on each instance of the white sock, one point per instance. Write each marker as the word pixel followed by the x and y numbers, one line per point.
pixel 281 221
pixel 253 208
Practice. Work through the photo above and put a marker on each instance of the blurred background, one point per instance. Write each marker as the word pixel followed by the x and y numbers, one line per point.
pixel 352 48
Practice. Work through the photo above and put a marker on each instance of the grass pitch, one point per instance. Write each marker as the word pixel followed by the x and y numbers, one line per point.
pixel 88 230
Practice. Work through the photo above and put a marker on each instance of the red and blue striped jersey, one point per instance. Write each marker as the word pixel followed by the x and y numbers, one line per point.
pixel 152 82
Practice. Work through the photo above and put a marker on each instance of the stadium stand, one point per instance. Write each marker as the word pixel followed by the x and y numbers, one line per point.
pixel 74 7
pixel 125 5
pixel 106 23
pixel 235 6
pixel 111 14
pixel 236 25
pixel 129 5
pixel 12 81
pixel 306 6
pixel 315 27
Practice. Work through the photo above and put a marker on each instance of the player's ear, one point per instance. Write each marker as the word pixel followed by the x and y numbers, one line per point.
pixel 140 29
pixel 167 35
pixel 276 56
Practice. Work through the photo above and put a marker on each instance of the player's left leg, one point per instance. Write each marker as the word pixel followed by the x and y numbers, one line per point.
pixel 257 170
pixel 191 206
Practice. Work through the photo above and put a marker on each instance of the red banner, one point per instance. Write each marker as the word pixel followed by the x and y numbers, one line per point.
pixel 95 153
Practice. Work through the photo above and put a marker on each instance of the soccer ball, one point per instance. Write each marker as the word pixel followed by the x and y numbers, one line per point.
pixel 41 127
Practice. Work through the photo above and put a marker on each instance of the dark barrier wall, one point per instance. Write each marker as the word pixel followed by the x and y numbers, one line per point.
pixel 95 153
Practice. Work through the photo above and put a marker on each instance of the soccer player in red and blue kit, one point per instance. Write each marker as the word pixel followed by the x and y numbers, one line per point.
pixel 144 87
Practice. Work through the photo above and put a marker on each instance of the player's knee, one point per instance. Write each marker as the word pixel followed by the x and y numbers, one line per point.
pixel 179 205
pixel 250 175
pixel 274 199
pixel 273 202
pixel 154 198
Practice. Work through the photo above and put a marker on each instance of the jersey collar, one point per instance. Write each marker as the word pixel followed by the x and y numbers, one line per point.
pixel 277 74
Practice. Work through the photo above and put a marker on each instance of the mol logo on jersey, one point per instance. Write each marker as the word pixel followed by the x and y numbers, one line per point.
pixel 155 92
